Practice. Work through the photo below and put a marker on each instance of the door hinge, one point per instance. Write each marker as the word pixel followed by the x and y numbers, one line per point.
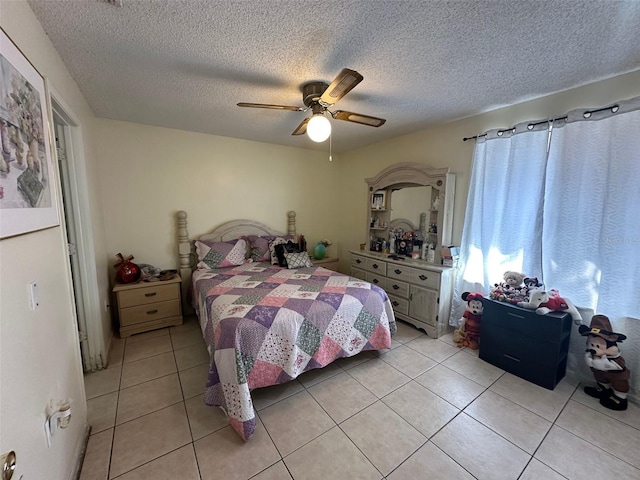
pixel 72 249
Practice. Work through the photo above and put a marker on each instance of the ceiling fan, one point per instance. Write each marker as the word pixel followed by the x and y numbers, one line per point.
pixel 319 96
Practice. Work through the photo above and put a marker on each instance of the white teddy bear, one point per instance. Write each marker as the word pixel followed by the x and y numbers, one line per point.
pixel 543 303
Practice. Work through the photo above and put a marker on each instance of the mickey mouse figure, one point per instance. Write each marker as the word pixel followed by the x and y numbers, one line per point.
pixel 607 365
pixel 469 335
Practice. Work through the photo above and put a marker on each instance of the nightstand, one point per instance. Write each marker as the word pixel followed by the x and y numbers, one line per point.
pixel 330 263
pixel 147 306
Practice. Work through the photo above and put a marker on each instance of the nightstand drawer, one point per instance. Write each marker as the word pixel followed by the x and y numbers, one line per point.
pixel 148 294
pixel 148 313
pixel 330 263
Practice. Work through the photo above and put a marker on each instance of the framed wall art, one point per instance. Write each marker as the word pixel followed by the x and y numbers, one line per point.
pixel 28 199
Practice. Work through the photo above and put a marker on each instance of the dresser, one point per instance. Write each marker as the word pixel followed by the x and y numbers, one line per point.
pixel 330 263
pixel 531 346
pixel 147 306
pixel 420 292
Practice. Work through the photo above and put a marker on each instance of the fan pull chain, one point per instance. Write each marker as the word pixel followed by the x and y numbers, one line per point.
pixel 330 138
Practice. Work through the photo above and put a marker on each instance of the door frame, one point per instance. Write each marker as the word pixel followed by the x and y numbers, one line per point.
pixel 81 218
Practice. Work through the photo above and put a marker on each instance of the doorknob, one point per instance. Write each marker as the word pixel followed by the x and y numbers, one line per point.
pixel 8 464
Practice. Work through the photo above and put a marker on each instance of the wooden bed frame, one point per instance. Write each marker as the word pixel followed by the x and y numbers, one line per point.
pixel 227 231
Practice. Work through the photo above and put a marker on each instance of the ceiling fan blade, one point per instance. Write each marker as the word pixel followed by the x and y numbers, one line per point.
pixel 358 118
pixel 274 107
pixel 341 85
pixel 302 128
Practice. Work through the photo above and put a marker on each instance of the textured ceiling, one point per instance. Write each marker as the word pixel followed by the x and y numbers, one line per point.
pixel 185 64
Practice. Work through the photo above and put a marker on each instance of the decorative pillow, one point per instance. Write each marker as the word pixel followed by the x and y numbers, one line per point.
pixel 259 248
pixel 272 247
pixel 283 248
pixel 221 254
pixel 297 260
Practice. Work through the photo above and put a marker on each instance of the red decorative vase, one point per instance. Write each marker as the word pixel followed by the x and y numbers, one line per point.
pixel 129 272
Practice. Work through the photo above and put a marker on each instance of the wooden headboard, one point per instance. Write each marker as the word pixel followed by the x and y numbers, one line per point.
pixel 227 231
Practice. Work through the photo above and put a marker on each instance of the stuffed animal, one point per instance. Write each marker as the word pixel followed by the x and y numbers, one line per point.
pixel 513 280
pixel 469 331
pixel 511 290
pixel 459 334
pixel 543 303
pixel 608 367
pixel 532 282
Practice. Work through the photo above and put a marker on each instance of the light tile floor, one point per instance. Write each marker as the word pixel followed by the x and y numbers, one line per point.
pixel 424 409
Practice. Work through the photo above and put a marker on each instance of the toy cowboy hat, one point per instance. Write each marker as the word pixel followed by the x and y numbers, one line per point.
pixel 601 326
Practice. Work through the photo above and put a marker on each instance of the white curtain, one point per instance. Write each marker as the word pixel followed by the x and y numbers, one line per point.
pixel 591 240
pixel 503 222
pixel 563 206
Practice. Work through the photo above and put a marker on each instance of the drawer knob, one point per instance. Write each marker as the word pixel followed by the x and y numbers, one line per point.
pixel 422 277
pixel 375 280
pixel 358 261
pixel 151 312
pixel 396 287
pixel 152 294
pixel 375 265
pixel 398 272
pixel 395 304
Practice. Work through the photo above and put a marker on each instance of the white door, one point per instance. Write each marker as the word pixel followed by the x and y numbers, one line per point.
pixel 62 139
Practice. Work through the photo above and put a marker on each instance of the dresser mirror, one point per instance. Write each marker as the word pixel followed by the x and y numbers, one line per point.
pixel 418 198
pixel 409 202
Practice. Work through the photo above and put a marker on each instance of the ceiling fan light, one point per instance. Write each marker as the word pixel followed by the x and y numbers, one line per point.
pixel 319 128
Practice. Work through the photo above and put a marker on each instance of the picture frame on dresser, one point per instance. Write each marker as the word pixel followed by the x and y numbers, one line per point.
pixel 379 200
pixel 28 181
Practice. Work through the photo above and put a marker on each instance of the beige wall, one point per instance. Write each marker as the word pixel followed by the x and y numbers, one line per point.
pixel 39 354
pixel 149 173
pixel 442 146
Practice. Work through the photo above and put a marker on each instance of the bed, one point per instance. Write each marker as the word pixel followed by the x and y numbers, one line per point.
pixel 265 324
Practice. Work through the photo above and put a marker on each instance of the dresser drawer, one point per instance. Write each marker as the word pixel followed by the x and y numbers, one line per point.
pixel 397 288
pixel 400 305
pixel 377 280
pixel 149 312
pixel 377 266
pixel 358 273
pixel 425 278
pixel 550 327
pixel 358 261
pixel 150 294
pixel 399 271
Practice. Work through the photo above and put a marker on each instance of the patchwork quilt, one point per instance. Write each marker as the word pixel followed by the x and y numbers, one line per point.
pixel 265 325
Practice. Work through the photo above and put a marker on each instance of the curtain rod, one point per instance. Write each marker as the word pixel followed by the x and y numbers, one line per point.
pixel 586 114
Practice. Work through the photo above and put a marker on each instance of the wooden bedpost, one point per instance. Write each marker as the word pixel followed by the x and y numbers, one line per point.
pixel 184 259
pixel 291 223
